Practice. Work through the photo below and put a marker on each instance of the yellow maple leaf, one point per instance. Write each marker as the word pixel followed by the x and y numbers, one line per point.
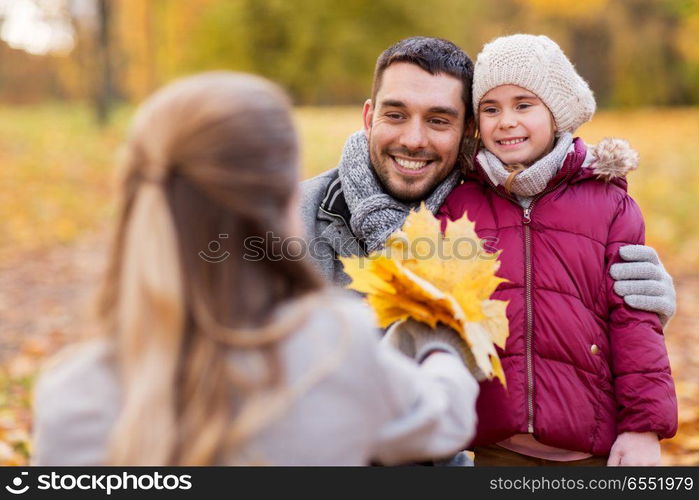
pixel 436 277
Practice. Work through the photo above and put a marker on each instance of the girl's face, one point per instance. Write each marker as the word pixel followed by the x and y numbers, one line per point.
pixel 515 125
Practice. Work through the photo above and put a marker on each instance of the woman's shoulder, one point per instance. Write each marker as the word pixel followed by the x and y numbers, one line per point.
pixel 75 404
pixel 332 304
pixel 77 378
pixel 335 324
pixel 85 363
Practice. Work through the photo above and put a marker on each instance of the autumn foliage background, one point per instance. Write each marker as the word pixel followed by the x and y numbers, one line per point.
pixel 63 114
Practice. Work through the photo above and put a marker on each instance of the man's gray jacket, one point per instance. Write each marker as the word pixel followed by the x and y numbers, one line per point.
pixel 326 220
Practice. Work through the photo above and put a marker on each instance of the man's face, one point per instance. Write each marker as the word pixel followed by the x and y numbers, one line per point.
pixel 415 127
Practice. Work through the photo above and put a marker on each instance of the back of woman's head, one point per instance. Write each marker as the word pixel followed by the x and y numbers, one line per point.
pixel 210 162
pixel 227 135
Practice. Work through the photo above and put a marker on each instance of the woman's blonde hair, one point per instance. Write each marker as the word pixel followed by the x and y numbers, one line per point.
pixel 209 158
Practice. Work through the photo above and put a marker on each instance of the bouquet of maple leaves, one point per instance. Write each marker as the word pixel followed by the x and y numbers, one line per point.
pixel 424 274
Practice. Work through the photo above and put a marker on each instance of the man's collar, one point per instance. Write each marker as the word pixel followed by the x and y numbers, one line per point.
pixel 334 200
pixel 334 204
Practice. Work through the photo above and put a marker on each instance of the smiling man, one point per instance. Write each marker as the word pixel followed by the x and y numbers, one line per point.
pixel 413 128
pixel 415 123
pixel 408 152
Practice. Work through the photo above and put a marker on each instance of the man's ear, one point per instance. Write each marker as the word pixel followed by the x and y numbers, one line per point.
pixel 367 116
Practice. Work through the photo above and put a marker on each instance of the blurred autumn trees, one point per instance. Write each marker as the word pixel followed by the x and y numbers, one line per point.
pixel 633 52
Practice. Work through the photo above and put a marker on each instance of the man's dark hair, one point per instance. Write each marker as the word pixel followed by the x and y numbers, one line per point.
pixel 434 55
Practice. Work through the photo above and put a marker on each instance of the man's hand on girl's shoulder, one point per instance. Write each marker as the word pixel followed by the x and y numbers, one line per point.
pixel 643 282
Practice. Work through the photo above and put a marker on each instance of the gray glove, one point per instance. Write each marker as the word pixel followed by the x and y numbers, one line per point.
pixel 417 341
pixel 643 282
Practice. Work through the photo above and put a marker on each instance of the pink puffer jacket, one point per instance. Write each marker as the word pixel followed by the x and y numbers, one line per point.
pixel 581 366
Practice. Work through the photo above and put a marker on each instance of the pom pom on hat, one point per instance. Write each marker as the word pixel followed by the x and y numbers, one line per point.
pixel 537 64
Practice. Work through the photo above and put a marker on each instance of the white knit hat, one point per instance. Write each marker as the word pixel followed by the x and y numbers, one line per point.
pixel 537 64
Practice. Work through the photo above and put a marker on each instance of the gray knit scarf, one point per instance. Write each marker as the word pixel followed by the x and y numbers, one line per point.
pixel 375 214
pixel 534 179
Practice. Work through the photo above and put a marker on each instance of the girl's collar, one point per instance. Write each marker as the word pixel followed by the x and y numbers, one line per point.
pixel 610 160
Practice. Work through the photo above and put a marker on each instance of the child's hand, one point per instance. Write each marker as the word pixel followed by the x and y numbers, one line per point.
pixel 635 448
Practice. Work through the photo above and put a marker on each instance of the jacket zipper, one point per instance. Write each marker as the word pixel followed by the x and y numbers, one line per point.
pixel 529 340
pixel 344 222
pixel 530 320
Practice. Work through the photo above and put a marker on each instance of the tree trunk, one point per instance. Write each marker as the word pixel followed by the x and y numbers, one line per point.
pixel 104 90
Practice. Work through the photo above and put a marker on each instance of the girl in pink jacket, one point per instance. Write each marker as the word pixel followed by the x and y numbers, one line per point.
pixel 588 377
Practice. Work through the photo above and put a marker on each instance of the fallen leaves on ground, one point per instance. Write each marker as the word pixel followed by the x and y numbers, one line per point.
pixel 17 377
pixel 683 347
